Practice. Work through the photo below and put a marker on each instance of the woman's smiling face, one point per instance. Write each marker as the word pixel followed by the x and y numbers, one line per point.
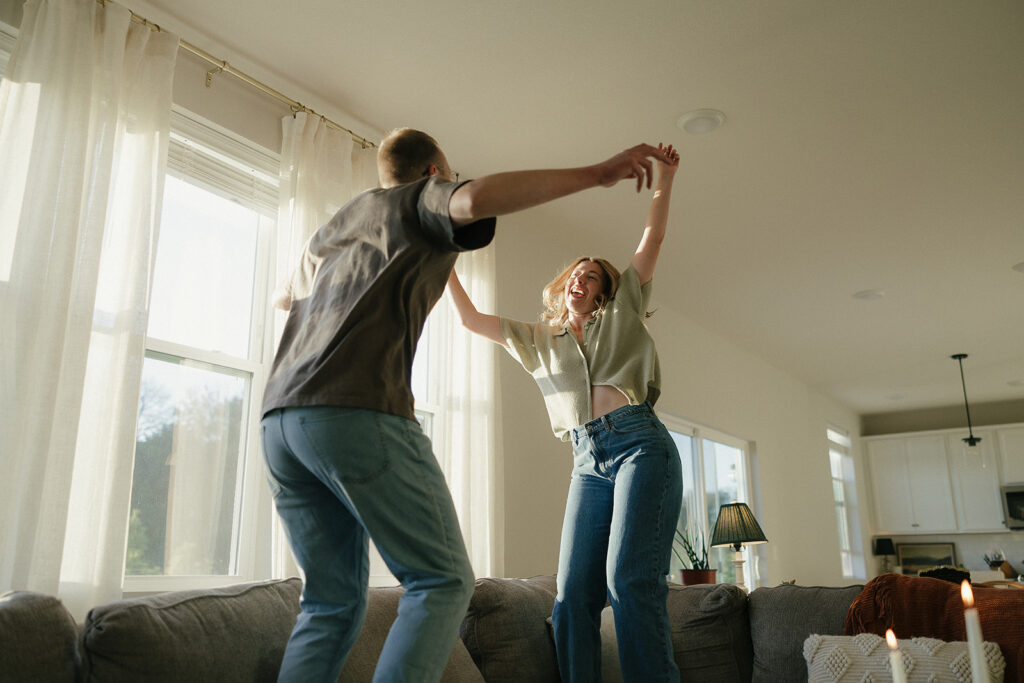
pixel 584 286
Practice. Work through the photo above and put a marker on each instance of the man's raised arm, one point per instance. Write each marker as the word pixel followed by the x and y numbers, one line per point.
pixel 504 193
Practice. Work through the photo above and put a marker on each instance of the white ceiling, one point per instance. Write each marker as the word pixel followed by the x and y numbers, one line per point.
pixel 869 145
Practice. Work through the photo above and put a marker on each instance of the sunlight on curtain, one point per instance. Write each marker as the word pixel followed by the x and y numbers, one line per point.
pixel 321 170
pixel 20 104
pixel 466 436
pixel 84 123
pixel 206 439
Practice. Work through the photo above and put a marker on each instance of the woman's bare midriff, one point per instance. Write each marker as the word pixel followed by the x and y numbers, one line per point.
pixel 605 398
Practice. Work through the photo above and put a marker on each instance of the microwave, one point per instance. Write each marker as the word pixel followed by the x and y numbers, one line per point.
pixel 1013 505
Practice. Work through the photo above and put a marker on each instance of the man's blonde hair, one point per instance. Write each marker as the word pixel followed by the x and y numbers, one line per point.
pixel 556 313
pixel 404 156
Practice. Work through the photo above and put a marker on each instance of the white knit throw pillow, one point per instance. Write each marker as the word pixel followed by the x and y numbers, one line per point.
pixel 864 658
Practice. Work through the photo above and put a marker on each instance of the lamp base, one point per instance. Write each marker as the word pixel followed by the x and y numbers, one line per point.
pixel 737 563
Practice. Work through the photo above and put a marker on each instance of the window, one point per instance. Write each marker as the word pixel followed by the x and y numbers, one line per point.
pixel 716 470
pixel 197 487
pixel 843 493
pixel 8 36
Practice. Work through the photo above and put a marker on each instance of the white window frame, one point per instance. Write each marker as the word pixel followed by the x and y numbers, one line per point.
pixel 851 555
pixel 748 490
pixel 240 170
pixel 8 36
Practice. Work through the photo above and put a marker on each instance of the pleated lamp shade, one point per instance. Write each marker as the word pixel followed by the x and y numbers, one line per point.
pixel 736 526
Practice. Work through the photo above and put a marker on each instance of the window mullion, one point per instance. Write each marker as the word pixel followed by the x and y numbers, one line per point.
pixel 216 358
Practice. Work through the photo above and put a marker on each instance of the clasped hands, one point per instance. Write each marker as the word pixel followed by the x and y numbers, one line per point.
pixel 635 162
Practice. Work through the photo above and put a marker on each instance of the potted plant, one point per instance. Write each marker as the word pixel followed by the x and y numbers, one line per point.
pixel 696 551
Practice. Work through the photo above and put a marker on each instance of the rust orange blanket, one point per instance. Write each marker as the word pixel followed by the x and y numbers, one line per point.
pixel 918 606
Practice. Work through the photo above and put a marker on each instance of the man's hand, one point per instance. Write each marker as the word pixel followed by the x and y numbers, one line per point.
pixel 635 162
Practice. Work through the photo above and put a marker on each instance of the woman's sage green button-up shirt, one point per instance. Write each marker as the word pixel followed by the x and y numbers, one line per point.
pixel 617 351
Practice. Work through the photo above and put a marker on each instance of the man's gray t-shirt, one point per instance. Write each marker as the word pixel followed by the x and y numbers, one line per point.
pixel 360 295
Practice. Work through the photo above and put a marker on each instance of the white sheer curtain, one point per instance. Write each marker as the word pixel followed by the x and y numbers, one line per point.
pixel 84 122
pixel 321 169
pixel 466 434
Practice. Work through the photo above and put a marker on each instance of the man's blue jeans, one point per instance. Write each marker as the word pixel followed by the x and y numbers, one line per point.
pixel 620 518
pixel 341 476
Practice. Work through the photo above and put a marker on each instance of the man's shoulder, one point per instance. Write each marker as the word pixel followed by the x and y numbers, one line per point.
pixel 377 200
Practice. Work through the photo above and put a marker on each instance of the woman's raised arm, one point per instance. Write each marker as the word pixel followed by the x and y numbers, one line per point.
pixel 646 256
pixel 473 320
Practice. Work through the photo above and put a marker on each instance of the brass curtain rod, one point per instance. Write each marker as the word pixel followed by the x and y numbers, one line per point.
pixel 222 65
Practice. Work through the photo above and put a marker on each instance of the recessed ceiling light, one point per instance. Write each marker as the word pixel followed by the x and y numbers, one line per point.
pixel 869 294
pixel 1019 267
pixel 700 121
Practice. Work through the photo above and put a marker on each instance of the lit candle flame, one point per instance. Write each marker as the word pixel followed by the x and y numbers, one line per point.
pixel 890 638
pixel 966 593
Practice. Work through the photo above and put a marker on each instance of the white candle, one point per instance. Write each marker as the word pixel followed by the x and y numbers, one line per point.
pixel 979 672
pixel 895 658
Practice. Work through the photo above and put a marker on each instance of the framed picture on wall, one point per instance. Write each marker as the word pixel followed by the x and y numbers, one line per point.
pixel 916 557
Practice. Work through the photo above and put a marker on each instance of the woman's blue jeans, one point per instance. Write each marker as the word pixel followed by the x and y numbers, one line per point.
pixel 341 476
pixel 620 518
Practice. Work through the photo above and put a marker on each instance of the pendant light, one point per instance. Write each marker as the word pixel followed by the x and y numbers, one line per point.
pixel 970 440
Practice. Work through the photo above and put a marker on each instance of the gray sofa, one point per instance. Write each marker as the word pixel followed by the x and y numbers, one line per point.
pixel 238 634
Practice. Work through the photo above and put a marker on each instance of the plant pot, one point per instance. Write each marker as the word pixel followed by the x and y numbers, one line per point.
pixel 692 577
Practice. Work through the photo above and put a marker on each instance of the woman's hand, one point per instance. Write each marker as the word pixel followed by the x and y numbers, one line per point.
pixel 667 169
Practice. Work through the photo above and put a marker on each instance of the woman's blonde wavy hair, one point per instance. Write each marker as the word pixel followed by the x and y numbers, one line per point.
pixel 555 311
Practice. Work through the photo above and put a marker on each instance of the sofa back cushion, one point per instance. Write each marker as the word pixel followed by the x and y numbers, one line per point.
pixel 236 633
pixel 37 638
pixel 381 611
pixel 782 617
pixel 710 633
pixel 506 632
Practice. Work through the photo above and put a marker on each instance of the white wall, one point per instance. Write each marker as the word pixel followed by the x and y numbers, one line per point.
pixel 706 379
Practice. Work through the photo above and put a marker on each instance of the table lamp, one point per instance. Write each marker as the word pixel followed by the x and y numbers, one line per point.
pixel 735 526
pixel 884 547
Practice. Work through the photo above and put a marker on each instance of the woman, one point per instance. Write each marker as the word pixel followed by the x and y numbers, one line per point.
pixel 597 367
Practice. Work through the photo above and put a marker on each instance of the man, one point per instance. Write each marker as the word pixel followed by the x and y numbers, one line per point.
pixel 346 458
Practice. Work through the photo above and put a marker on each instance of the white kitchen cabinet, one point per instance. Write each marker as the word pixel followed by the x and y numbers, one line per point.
pixel 1010 441
pixel 911 485
pixel 974 474
pixel 890 484
pixel 933 483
